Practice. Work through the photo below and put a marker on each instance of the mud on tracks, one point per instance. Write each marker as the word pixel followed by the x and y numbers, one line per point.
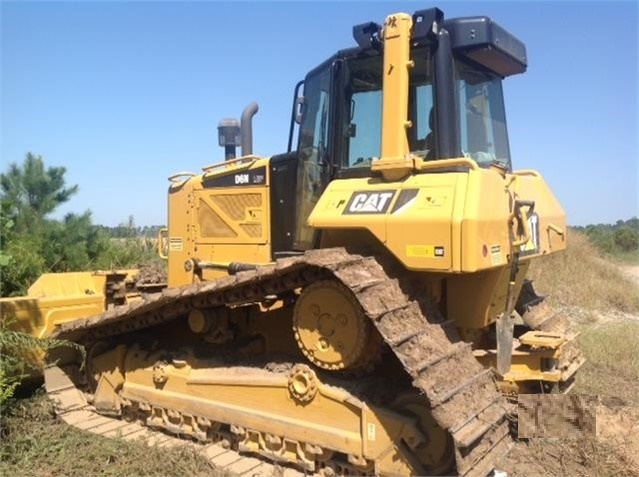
pixel 461 394
pixel 151 274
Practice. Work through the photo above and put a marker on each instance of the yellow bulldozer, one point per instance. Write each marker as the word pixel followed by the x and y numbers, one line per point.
pixel 357 305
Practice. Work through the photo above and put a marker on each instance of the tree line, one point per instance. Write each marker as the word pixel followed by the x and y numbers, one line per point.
pixel 128 229
pixel 620 238
pixel 32 243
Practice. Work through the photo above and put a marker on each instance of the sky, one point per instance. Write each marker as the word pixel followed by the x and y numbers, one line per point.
pixel 124 94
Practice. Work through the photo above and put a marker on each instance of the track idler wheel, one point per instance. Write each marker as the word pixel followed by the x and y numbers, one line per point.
pixel 332 330
pixel 437 453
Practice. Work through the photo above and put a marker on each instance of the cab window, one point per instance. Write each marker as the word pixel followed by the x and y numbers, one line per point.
pixel 363 109
pixel 312 152
pixel 482 117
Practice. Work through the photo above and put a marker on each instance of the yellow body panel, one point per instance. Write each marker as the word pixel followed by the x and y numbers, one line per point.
pixel 552 224
pixel 70 283
pixel 487 291
pixel 217 217
pixel 455 222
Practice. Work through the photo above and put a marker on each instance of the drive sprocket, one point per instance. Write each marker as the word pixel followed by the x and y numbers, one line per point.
pixel 332 330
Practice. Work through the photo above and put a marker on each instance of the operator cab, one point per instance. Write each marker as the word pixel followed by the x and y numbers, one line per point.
pixel 455 107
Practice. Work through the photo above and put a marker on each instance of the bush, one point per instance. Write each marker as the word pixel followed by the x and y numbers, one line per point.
pixel 22 354
pixel 620 239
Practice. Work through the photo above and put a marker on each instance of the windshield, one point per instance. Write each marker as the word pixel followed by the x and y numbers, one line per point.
pixel 482 118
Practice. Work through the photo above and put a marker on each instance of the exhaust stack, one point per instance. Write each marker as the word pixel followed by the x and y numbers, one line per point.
pixel 246 128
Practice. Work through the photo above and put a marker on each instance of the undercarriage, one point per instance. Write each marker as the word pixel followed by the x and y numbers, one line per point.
pixel 324 361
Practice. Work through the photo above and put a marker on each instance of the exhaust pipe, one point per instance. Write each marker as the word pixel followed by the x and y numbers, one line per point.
pixel 246 127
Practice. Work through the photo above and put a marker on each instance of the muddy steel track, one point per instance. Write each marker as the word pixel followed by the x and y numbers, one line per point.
pixel 537 315
pixel 461 394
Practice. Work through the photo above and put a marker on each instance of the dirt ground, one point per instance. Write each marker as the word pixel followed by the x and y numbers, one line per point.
pixel 614 447
pixel 614 450
pixel 565 416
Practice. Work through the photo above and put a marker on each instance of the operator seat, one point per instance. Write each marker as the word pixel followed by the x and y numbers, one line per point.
pixel 428 143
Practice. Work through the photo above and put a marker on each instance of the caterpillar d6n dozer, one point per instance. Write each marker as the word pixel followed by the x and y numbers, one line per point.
pixel 356 305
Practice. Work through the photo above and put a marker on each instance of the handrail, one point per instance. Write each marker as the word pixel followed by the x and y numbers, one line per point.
pixel 557 230
pixel 526 172
pixel 231 162
pixel 422 165
pixel 177 175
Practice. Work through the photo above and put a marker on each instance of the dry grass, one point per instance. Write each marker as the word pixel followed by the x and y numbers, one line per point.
pixel 587 286
pixel 602 297
pixel 35 443
pixel 614 451
pixel 614 346
pixel 612 368
pixel 580 277
pixel 587 457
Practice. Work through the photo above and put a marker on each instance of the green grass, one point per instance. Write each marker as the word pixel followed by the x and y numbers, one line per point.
pixel 35 443
pixel 614 346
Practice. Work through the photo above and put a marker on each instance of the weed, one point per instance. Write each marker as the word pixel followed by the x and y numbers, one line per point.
pixel 21 354
pixel 63 450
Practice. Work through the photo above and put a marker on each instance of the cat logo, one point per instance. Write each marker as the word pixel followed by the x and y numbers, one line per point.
pixel 376 202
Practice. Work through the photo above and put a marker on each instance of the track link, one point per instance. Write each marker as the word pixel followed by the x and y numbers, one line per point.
pixel 462 395
pixel 538 315
pixel 72 407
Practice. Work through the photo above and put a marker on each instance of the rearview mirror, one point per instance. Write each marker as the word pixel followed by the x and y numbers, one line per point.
pixel 299 109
